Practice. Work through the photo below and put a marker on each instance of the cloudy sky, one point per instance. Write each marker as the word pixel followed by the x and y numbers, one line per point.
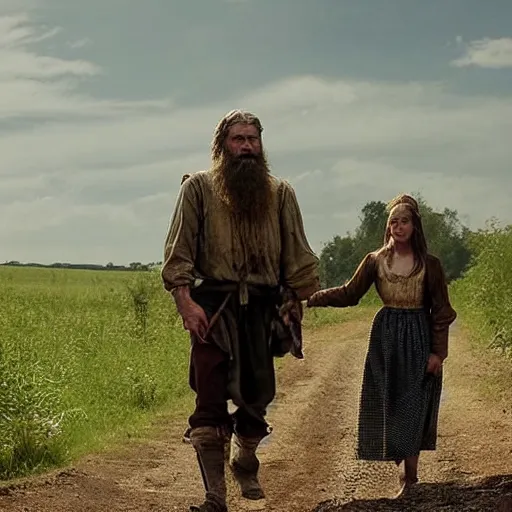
pixel 104 104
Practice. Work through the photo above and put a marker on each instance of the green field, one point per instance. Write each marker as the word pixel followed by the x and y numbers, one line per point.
pixel 87 358
pixel 84 356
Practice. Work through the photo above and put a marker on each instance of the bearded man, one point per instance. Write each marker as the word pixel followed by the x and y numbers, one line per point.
pixel 237 263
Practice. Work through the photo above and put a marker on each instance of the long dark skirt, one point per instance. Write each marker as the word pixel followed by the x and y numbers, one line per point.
pixel 399 402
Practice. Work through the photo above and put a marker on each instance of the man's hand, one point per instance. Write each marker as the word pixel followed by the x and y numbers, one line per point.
pixel 284 312
pixel 291 309
pixel 435 363
pixel 194 318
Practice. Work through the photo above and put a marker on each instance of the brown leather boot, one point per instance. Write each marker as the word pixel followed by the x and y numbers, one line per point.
pixel 245 466
pixel 207 506
pixel 209 444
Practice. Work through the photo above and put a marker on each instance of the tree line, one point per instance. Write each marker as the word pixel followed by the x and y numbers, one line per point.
pixel 477 265
pixel 447 237
pixel 133 266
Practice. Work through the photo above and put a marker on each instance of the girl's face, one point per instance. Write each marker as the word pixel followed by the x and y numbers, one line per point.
pixel 400 225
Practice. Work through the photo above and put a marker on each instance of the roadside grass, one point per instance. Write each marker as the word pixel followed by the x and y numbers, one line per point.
pixel 89 359
pixel 85 357
pixel 483 300
pixel 483 296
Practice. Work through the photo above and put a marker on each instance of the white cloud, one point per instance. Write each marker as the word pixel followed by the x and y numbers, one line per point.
pixel 486 53
pixel 80 43
pixel 15 30
pixel 21 64
pixel 35 85
pixel 97 178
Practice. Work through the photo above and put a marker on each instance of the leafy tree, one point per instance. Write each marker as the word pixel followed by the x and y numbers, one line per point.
pixel 337 260
pixel 370 233
pixel 446 236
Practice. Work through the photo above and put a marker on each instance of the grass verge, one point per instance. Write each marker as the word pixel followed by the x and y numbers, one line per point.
pixel 89 359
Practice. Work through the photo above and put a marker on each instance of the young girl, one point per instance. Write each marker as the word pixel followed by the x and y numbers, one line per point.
pixel 408 342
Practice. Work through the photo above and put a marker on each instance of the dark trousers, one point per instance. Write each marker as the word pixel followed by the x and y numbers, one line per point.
pixel 210 367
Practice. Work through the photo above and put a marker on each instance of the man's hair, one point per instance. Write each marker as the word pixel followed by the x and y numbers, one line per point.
pixel 221 130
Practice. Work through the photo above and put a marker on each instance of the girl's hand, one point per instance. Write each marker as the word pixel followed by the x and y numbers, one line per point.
pixel 314 300
pixel 435 364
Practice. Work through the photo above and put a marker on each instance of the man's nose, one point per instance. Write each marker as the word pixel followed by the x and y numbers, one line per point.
pixel 246 146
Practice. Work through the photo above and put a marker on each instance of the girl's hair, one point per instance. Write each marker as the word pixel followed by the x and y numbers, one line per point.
pixel 418 241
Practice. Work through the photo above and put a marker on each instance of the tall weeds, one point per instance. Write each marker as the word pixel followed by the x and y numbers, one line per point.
pixel 84 357
pixel 484 294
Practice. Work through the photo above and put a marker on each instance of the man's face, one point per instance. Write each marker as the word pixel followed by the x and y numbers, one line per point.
pixel 243 141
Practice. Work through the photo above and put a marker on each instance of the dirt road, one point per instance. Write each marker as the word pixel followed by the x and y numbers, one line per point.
pixel 308 461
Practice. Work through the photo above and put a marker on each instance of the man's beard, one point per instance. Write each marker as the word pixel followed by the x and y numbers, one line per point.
pixel 243 183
